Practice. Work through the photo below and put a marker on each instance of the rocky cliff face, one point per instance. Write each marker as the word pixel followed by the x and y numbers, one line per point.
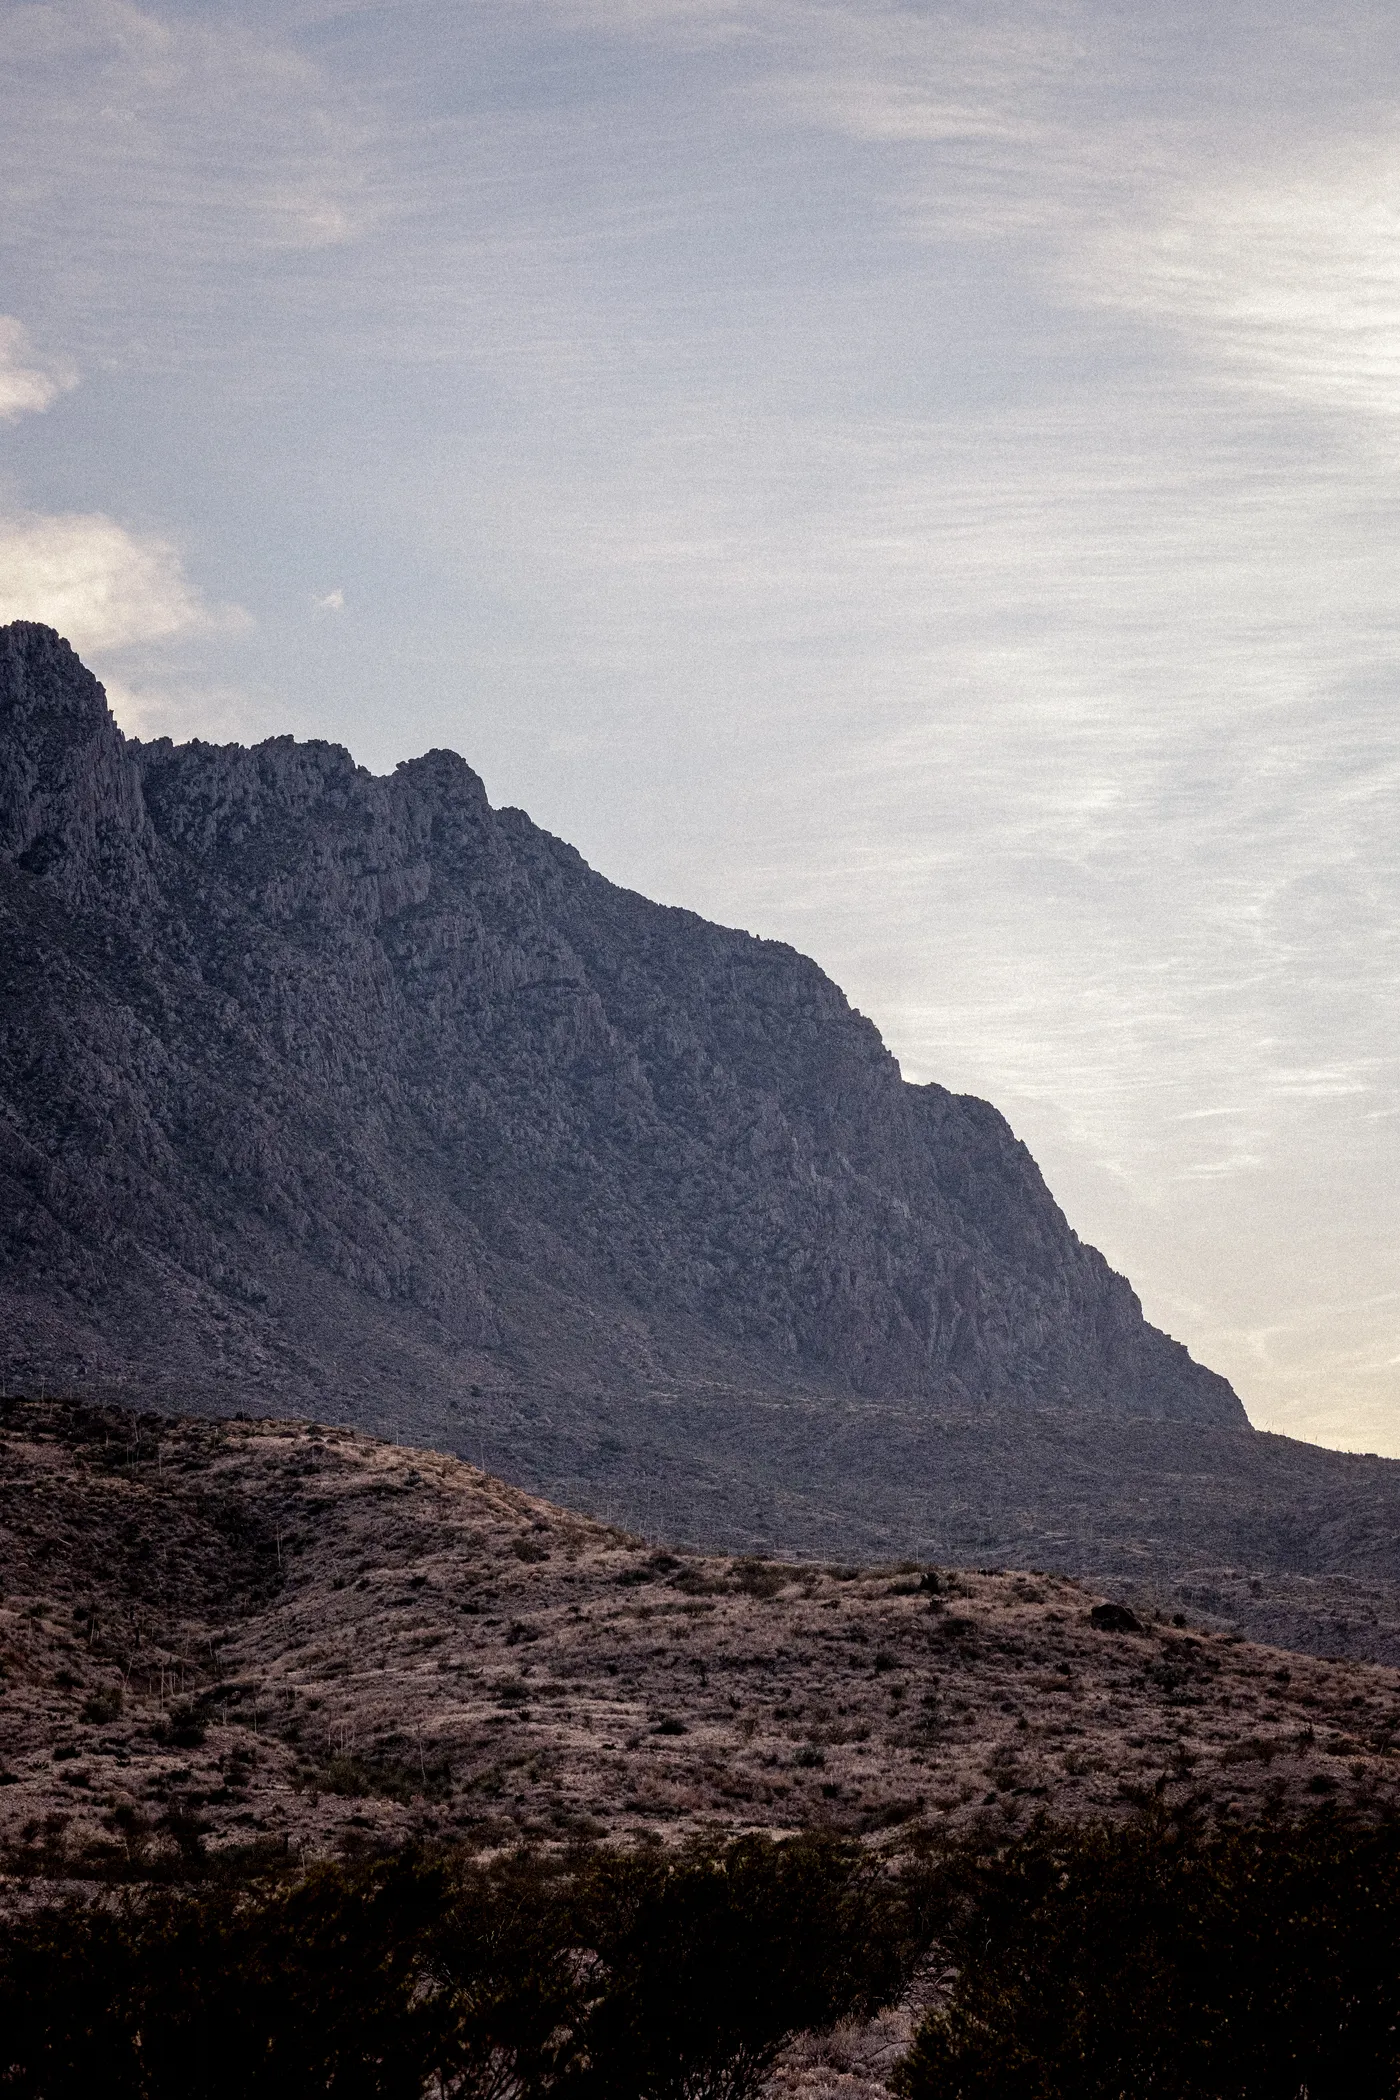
pixel 345 1094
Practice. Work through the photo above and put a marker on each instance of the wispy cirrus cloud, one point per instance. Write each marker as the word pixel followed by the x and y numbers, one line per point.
pixel 1285 276
pixel 219 141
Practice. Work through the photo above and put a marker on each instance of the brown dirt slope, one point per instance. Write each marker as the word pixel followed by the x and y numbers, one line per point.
pixel 264 1632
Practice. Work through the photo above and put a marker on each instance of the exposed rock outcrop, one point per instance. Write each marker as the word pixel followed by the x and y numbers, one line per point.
pixel 359 1094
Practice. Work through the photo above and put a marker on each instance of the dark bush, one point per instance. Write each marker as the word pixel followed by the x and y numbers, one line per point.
pixel 184 1725
pixel 625 1977
pixel 103 1705
pixel 1115 1618
pixel 706 1964
pixel 1169 1961
pixel 310 1988
pixel 760 1578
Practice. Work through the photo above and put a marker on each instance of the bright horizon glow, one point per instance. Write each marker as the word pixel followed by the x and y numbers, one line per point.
pixel 918 481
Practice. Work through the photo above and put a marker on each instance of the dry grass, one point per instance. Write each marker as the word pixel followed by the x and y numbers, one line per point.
pixel 226 1633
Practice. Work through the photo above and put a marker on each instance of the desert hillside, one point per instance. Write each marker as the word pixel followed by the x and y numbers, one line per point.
pixel 269 1634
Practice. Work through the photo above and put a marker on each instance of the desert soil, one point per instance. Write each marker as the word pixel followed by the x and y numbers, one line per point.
pixel 266 1633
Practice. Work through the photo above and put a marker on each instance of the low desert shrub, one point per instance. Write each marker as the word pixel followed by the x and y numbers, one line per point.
pixel 222 1994
pixel 1163 1958
pixel 708 1963
pixel 641 1976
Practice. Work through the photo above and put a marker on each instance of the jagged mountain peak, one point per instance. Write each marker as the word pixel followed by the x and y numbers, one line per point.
pixel 352 1086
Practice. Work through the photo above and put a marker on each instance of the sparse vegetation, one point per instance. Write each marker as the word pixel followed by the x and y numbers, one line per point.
pixel 198 1702
pixel 226 1702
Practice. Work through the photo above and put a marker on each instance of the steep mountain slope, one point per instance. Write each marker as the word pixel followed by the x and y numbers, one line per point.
pixel 362 1095
pixel 353 1097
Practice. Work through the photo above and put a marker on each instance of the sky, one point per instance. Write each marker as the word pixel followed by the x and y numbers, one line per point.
pixel 917 481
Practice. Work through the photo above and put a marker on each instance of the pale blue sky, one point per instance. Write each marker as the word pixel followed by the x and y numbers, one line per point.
pixel 919 481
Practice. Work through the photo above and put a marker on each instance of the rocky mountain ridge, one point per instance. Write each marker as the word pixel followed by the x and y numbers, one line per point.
pixel 317 1084
pixel 354 1098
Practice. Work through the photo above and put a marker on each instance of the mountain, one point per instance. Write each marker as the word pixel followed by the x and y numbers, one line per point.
pixel 352 1097
pixel 315 1079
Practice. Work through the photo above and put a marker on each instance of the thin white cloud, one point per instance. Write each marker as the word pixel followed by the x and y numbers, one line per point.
pixel 100 585
pixel 201 138
pixel 1290 276
pixel 28 384
pixel 333 601
pixel 1283 264
pixel 692 23
pixel 932 75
